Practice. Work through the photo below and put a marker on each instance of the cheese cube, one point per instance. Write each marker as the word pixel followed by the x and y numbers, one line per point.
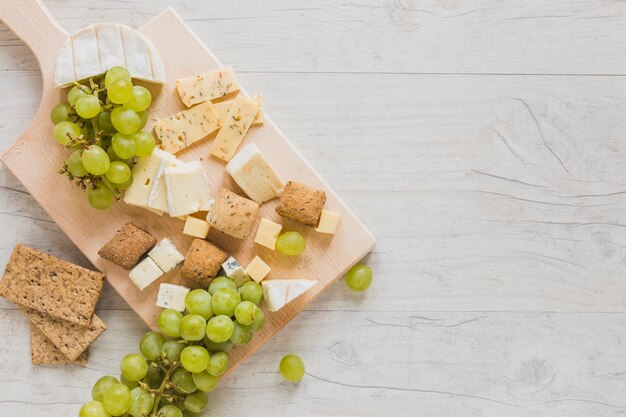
pixel 165 255
pixel 279 292
pixel 196 227
pixel 172 296
pixel 267 233
pixel 257 269
pixel 223 107
pixel 328 222
pixel 254 175
pixel 144 174
pixel 205 87
pixel 145 273
pixel 187 189
pixel 189 126
pixel 235 127
pixel 158 194
pixel 233 269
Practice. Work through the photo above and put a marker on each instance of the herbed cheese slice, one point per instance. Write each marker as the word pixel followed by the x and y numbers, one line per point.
pixel 189 126
pixel 165 255
pixel 222 108
pixel 255 175
pixel 144 174
pixel 235 127
pixel 279 292
pixel 145 273
pixel 172 296
pixel 187 189
pixel 206 87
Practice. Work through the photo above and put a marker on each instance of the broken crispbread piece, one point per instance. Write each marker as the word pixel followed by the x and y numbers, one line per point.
pixel 44 352
pixel 50 285
pixel 128 245
pixel 69 338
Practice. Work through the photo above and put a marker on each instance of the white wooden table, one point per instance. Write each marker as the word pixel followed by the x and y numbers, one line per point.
pixel 484 144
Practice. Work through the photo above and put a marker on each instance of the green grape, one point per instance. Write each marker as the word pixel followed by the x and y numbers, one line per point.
pixel 199 302
pixel 241 281
pixel 123 145
pixel 141 402
pixel 93 409
pixel 183 381
pixel 118 172
pixel 143 117
pixel 241 334
pixel 169 411
pixel 74 94
pixel 218 364
pixel 169 322
pixel 359 277
pixel 101 385
pixel 172 350
pixel 87 131
pixel 75 164
pixel 190 414
pixel 151 345
pixel 224 301
pixel 64 131
pixel 220 328
pixel 192 327
pixel 104 122
pixel 120 91
pixel 140 99
pixel 251 291
pixel 292 368
pixel 116 73
pixel 205 381
pixel 61 112
pixel 95 160
pixel 221 282
pixel 88 106
pixel 259 322
pixel 144 143
pixel 217 347
pixel 154 377
pixel 134 367
pixel 100 197
pixel 196 403
pixel 117 399
pixel 113 156
pixel 246 313
pixel 128 383
pixel 194 358
pixel 291 244
pixel 125 120
pixel 126 185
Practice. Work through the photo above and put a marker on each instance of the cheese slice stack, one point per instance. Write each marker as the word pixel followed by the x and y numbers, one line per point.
pixel 279 292
pixel 94 49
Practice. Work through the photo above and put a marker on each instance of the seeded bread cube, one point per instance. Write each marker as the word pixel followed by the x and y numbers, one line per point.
pixel 232 214
pixel 301 203
pixel 203 261
pixel 128 245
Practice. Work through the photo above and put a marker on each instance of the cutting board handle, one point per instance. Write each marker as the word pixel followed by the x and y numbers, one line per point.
pixel 34 24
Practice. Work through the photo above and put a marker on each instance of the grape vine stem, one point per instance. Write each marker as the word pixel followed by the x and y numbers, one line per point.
pixel 159 394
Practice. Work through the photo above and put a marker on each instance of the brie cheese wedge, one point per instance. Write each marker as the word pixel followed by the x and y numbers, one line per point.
pixel 279 292
pixel 145 173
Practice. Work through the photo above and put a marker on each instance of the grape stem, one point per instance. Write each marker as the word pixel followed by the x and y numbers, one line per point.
pixel 161 389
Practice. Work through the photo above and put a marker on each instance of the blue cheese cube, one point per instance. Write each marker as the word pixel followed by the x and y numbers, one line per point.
pixel 165 255
pixel 172 296
pixel 233 269
pixel 145 273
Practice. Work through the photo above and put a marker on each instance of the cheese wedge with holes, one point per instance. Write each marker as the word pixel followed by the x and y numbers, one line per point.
pixel 94 49
pixel 187 127
pixel 145 172
pixel 279 292
pixel 235 126
pixel 223 107
pixel 254 174
pixel 206 87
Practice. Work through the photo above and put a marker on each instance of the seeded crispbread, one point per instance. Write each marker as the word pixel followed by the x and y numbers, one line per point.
pixel 203 261
pixel 51 285
pixel 302 203
pixel 44 352
pixel 71 339
pixel 232 214
pixel 128 245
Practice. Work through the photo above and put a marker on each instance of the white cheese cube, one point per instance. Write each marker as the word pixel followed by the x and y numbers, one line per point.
pixel 144 175
pixel 196 227
pixel 165 255
pixel 172 296
pixel 187 127
pixel 255 175
pixel 145 273
pixel 205 87
pixel 279 292
pixel 235 127
pixel 233 269
pixel 187 189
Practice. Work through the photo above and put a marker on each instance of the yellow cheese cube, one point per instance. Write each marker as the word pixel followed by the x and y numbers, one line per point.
pixel 328 222
pixel 257 269
pixel 196 227
pixel 235 127
pixel 205 87
pixel 267 233
pixel 223 107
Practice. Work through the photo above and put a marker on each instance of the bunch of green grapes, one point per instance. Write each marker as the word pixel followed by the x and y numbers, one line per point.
pixel 179 366
pixel 101 123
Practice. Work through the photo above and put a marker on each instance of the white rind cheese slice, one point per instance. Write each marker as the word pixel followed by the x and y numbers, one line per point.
pixel 234 128
pixel 187 189
pixel 207 87
pixel 172 296
pixel 255 175
pixel 145 273
pixel 157 200
pixel 279 292
pixel 189 126
pixel 165 255
pixel 94 49
pixel 145 173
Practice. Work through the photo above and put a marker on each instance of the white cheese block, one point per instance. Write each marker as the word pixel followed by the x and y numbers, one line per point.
pixel 254 174
pixel 206 87
pixel 157 200
pixel 233 269
pixel 187 127
pixel 196 227
pixel 187 189
pixel 172 296
pixel 144 174
pixel 223 107
pixel 145 273
pixel 165 255
pixel 94 49
pixel 234 128
pixel 279 292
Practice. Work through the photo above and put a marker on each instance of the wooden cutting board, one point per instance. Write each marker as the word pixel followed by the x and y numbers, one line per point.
pixel 36 157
